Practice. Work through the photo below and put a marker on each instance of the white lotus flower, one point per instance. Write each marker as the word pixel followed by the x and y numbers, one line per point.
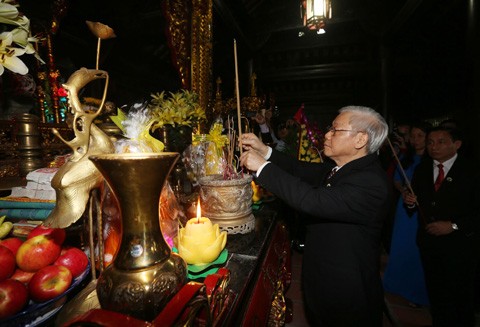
pixel 9 54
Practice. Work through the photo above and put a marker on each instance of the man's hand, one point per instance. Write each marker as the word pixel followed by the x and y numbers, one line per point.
pixel 439 228
pixel 259 118
pixel 252 160
pixel 250 141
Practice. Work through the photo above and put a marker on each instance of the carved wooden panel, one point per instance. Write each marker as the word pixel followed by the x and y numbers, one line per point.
pixel 190 38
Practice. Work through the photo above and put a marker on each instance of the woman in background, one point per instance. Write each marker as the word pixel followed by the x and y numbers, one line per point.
pixel 404 273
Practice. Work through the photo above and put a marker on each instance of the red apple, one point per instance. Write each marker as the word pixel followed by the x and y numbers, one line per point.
pixel 37 252
pixel 58 234
pixel 49 282
pixel 12 243
pixel 22 276
pixel 13 297
pixel 6 268
pixel 74 259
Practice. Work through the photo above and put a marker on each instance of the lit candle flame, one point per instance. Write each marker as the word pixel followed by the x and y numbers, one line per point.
pixel 199 211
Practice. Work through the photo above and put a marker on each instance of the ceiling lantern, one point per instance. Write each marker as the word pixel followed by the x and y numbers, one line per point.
pixel 316 13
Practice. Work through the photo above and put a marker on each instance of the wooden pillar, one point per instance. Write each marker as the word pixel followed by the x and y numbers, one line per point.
pixel 201 50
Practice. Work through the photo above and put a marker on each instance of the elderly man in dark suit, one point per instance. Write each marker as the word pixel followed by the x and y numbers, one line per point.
pixel 447 188
pixel 341 275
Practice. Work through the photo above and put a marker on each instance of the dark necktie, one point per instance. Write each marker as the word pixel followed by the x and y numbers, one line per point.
pixel 440 177
pixel 331 173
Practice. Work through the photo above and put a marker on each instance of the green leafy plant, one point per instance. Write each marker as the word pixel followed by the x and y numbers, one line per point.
pixel 177 109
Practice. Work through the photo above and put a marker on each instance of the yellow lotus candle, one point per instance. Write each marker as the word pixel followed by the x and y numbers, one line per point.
pixel 200 242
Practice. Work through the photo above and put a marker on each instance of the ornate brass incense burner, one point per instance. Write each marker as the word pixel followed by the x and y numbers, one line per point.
pixel 228 203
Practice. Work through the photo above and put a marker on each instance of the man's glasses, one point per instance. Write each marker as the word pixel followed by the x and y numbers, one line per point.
pixel 335 130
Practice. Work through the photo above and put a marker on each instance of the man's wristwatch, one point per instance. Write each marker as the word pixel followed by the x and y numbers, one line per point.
pixel 454 226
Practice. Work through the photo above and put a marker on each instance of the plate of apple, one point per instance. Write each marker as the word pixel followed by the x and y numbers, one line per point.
pixel 37 274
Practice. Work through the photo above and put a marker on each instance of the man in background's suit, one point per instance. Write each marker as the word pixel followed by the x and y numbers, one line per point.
pixel 449 216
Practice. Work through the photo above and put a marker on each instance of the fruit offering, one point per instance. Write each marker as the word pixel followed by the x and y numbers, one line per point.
pixel 36 270
pixel 5 227
pixel 13 297
pixel 7 262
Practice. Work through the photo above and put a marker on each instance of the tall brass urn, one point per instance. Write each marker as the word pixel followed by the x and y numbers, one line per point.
pixel 145 274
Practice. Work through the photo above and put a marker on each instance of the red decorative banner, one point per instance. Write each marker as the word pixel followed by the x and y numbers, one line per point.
pixel 310 141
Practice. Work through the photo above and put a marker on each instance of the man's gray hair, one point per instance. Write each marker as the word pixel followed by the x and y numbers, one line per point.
pixel 367 120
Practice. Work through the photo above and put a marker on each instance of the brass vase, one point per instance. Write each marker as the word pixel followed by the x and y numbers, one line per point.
pixel 145 274
pixel 29 146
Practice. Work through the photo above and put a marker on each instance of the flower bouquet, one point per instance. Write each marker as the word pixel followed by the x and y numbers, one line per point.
pixel 15 38
pixel 177 109
pixel 175 115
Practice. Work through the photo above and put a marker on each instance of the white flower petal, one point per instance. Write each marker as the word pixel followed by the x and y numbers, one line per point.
pixel 15 65
pixel 5 39
pixel 7 12
pixel 29 49
pixel 17 52
pixel 20 36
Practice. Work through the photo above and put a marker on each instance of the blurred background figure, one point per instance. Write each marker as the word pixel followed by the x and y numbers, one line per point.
pixel 399 141
pixel 404 274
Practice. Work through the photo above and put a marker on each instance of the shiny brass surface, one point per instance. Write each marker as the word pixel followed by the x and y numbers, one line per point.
pixel 78 176
pixel 145 274
pixel 228 203
pixel 29 148
pixel 84 301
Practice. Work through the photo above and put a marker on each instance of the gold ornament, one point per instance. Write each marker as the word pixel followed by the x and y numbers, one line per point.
pixel 78 176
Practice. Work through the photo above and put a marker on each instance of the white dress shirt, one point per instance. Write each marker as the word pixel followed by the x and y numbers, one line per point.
pixel 446 166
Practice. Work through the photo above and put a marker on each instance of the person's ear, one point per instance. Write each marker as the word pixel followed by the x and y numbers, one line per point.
pixel 457 144
pixel 361 140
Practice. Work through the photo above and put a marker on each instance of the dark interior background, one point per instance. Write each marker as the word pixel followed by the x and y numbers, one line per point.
pixel 409 59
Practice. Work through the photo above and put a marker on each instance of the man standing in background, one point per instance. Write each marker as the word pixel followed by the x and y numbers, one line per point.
pixel 448 201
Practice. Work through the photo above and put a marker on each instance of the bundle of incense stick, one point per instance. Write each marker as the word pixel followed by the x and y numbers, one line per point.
pixel 230 169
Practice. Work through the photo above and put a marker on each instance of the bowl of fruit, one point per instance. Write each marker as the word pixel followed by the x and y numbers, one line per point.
pixel 36 276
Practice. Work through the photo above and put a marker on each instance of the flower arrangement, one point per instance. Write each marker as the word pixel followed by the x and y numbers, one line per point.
pixel 178 109
pixel 15 38
pixel 310 138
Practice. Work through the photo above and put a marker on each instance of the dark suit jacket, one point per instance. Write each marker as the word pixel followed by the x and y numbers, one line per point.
pixel 458 200
pixel 341 272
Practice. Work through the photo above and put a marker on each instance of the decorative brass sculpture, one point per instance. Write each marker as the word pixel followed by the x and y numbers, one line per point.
pixel 78 176
pixel 145 274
